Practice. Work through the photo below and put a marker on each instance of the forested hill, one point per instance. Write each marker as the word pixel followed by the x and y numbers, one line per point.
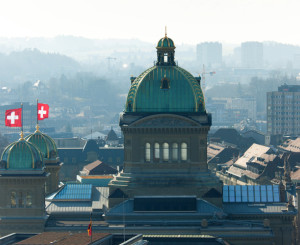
pixel 31 64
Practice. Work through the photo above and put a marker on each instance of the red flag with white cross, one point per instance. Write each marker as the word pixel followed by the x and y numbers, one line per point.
pixel 43 111
pixel 13 118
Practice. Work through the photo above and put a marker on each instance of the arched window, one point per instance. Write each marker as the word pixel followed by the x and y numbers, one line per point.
pixel 28 200
pixel 156 152
pixel 174 151
pixel 147 152
pixel 165 83
pixel 183 151
pixel 165 152
pixel 165 57
pixel 13 199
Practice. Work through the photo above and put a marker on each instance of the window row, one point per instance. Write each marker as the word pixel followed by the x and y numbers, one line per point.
pixel 20 199
pixel 166 152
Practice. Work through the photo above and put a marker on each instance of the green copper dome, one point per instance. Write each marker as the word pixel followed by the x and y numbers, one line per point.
pixel 165 42
pixel 165 89
pixel 44 143
pixel 21 155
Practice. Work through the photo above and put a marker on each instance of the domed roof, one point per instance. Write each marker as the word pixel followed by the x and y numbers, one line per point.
pixel 21 155
pixel 165 42
pixel 44 143
pixel 165 89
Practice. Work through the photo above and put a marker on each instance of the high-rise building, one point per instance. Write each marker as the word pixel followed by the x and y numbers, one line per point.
pixel 283 110
pixel 252 55
pixel 209 54
pixel 227 111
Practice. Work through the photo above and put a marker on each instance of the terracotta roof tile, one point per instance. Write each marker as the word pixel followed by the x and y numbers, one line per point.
pixel 99 168
pixel 92 165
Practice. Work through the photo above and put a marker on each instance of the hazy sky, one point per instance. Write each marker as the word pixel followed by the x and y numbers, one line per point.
pixel 188 21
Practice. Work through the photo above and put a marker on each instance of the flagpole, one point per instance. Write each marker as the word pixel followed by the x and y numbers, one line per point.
pixel 37 112
pixel 91 228
pixel 22 121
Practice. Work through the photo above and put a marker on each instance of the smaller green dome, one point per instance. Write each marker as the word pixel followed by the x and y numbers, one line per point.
pixel 44 143
pixel 165 42
pixel 21 155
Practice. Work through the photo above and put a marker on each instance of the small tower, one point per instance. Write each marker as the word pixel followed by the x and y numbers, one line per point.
pixel 22 189
pixel 48 149
pixel 165 52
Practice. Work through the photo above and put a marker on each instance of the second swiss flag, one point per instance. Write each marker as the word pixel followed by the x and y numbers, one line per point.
pixel 43 111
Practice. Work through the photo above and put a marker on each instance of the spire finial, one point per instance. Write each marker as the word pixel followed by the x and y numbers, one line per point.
pixel 37 128
pixel 165 31
pixel 22 135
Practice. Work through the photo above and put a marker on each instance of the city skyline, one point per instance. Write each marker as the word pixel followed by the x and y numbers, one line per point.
pixel 187 22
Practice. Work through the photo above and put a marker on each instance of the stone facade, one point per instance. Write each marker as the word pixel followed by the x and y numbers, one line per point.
pixel 167 168
pixel 22 206
pixel 52 167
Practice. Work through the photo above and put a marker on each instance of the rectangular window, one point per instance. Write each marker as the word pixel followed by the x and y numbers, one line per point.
pixel 156 152
pixel 20 200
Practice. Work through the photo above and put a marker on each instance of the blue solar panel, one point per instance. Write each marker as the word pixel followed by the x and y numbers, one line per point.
pixel 276 193
pixel 263 192
pixel 75 192
pixel 270 193
pixel 225 193
pixel 238 194
pixel 231 193
pixel 250 193
pixel 244 193
pixel 257 193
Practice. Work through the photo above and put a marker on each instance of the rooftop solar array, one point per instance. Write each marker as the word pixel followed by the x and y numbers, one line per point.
pixel 251 193
pixel 75 192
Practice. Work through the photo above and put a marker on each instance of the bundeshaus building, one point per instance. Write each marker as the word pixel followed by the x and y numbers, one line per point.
pixel 165 128
pixel 166 187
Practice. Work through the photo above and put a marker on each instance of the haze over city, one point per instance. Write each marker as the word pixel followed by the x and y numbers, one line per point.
pixel 150 122
pixel 190 21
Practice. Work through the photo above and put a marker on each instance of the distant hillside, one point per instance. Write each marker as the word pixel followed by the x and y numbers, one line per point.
pixel 79 48
pixel 31 64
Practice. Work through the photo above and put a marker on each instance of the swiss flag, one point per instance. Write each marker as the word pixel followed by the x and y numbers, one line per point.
pixel 13 118
pixel 43 111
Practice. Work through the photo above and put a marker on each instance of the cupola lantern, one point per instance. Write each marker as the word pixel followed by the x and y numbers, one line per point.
pixel 165 52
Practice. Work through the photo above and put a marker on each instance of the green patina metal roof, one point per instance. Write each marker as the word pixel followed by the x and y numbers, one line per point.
pixel 184 93
pixel 22 155
pixel 44 143
pixel 165 42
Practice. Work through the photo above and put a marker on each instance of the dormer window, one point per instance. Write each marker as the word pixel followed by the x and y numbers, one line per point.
pixel 165 83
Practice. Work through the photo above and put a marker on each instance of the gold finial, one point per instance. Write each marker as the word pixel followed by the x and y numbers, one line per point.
pixel 37 128
pixel 165 31
pixel 22 135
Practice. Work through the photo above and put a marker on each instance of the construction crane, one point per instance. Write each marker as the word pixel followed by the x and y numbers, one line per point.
pixel 203 77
